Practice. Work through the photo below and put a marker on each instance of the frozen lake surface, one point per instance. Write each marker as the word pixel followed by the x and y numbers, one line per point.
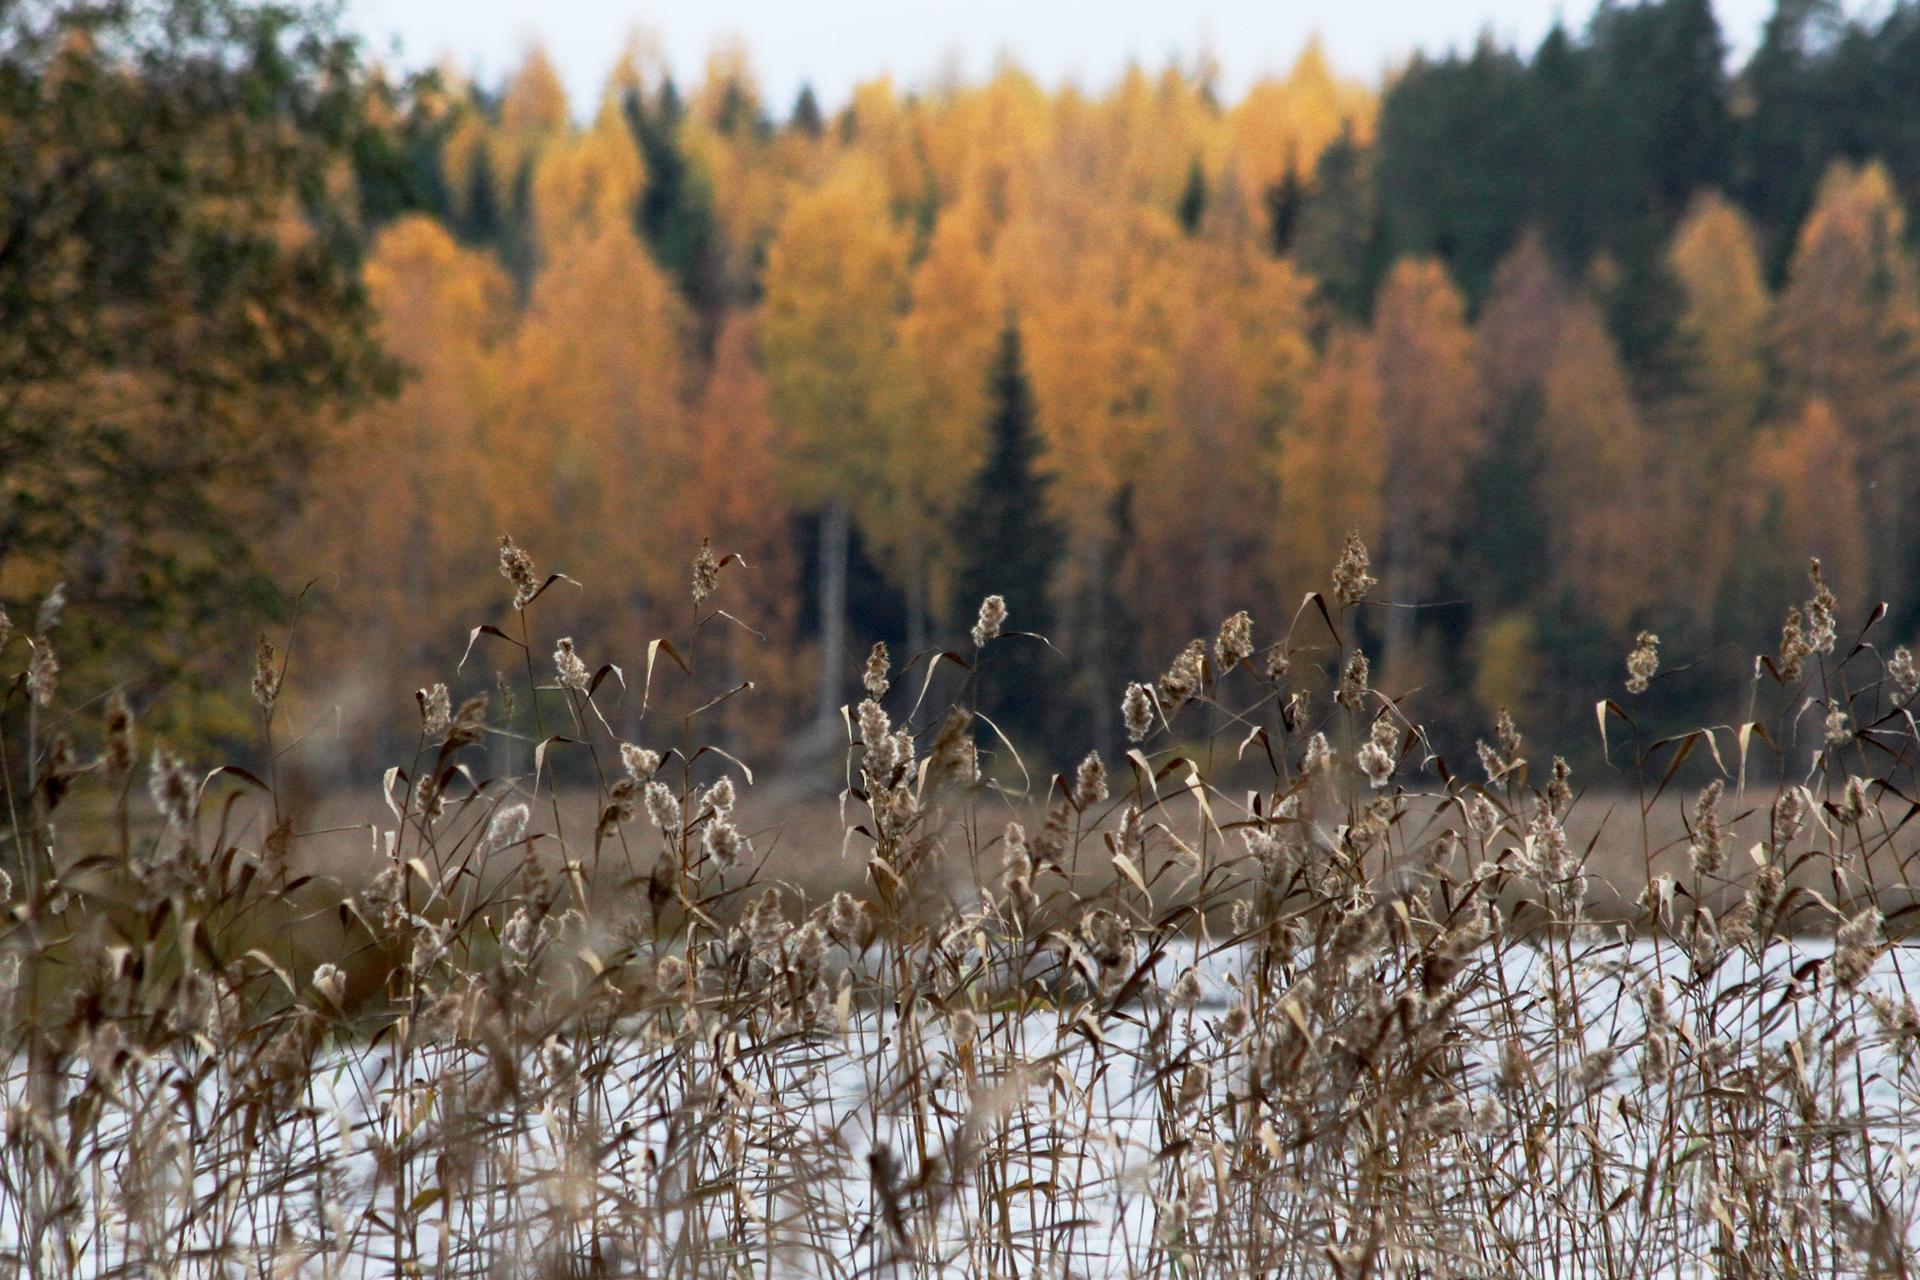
pixel 1040 1136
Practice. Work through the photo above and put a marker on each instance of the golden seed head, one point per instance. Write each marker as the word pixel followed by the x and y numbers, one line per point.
pixel 706 572
pixel 1353 682
pixel 52 609
pixel 43 672
pixel 1183 680
pixel 1903 672
pixel 1351 581
pixel 1643 662
pixel 569 666
pixel 639 762
pixel 122 744
pixel 516 566
pixel 1090 782
pixel 1234 645
pixel 506 828
pixel 1375 763
pixel 1709 846
pixel 436 709
pixel 993 616
pixel 663 807
pixel 725 845
pixel 1136 712
pixel 874 679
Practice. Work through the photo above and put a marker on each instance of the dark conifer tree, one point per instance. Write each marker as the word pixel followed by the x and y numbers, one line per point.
pixel 675 213
pixel 1193 200
pixel 1340 240
pixel 397 165
pixel 1455 145
pixel 519 248
pixel 1784 140
pixel 1560 185
pixel 807 117
pixel 1012 546
pixel 481 223
pixel 1654 118
pixel 1283 201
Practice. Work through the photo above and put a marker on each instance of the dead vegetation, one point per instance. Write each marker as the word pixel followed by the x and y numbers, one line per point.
pixel 1365 1019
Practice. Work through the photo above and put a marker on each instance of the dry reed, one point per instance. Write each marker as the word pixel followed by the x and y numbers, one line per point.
pixel 1358 1022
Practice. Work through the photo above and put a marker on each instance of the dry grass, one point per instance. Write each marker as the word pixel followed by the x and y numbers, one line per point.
pixel 1368 1018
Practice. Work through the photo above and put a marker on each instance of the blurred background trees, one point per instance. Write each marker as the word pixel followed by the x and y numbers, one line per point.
pixel 1595 336
pixel 182 312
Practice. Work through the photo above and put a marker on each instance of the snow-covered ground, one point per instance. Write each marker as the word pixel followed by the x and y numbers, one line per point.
pixel 813 1134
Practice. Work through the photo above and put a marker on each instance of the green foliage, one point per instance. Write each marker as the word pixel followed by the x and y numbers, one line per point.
pixel 1454 138
pixel 482 221
pixel 806 118
pixel 1601 140
pixel 1012 548
pixel 1341 240
pixel 398 168
pixel 675 216
pixel 1193 199
pixel 179 300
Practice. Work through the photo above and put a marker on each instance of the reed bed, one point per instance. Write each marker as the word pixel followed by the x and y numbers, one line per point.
pixel 1357 1021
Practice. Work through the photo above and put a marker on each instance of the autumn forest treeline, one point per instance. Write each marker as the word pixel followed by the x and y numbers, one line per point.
pixel 1605 335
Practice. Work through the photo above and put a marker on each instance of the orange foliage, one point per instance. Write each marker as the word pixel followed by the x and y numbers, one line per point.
pixel 403 502
pixel 1331 466
pixel 596 413
pixel 1807 494
pixel 1181 373
pixel 1848 331
pixel 1609 544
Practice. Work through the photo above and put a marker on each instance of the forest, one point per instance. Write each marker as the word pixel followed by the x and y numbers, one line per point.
pixel 1604 336
pixel 992 679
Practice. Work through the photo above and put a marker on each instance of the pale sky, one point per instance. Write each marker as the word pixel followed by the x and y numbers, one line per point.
pixel 835 44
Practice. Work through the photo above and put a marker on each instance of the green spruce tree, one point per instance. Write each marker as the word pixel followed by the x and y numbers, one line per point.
pixel 1011 547
pixel 807 118
pixel 1340 239
pixel 481 222
pixel 675 213
pixel 1193 200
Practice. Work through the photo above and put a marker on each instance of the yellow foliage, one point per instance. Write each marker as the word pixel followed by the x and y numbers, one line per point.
pixel 1806 484
pixel 1507 665
pixel 1847 331
pixel 536 102
pixel 596 412
pixel 836 282
pixel 1331 466
pixel 1724 327
pixel 1726 314
pixel 988 143
pixel 1179 369
pixel 1609 536
pixel 586 184
pixel 401 520
pixel 1430 415
pixel 1280 128
pixel 949 336
pixel 466 142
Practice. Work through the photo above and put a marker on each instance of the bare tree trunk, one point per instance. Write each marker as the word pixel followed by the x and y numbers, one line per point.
pixel 834 537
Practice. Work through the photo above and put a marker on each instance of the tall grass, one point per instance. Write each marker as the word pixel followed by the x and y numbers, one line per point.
pixel 1361 1020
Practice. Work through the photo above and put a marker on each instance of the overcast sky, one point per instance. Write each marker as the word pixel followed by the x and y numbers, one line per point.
pixel 835 44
